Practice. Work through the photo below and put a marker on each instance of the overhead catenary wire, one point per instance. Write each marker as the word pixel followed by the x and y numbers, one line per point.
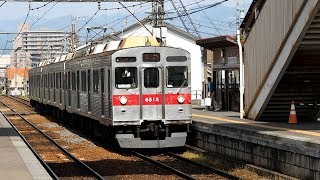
pixel 195 10
pixel 5 47
pixel 136 19
pixel 44 14
pixel 42 5
pixel 208 18
pixel 24 23
pixel 118 21
pixel 3 3
pixel 87 21
pixel 118 8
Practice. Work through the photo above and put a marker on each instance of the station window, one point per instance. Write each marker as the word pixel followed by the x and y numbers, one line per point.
pixel 177 76
pixel 151 78
pixel 126 77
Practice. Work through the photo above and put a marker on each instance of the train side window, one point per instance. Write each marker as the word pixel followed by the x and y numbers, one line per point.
pixel 126 77
pixel 47 80
pixel 83 81
pixel 73 81
pixel 53 80
pixel 57 81
pixel 50 80
pixel 151 78
pixel 177 76
pixel 89 80
pixel 60 80
pixel 96 85
pixel 69 81
pixel 78 80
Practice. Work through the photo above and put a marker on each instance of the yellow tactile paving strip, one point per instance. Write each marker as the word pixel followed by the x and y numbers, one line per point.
pixel 310 133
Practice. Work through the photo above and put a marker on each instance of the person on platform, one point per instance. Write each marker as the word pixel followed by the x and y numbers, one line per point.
pixel 212 94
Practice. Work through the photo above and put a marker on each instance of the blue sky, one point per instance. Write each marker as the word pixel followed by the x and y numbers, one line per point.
pixel 214 21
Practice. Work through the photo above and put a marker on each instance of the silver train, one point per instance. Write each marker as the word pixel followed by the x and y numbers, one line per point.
pixel 141 94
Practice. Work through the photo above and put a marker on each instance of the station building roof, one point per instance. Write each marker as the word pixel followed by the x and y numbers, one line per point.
pixel 217 42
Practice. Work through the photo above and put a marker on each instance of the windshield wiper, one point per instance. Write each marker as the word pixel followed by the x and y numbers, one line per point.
pixel 181 86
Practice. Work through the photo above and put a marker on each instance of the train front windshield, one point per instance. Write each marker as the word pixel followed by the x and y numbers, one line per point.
pixel 126 77
pixel 177 76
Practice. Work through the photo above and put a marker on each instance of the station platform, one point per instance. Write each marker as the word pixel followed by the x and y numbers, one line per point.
pixel 16 159
pixel 290 149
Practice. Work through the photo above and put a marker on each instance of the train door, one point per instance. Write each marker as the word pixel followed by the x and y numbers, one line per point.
pixel 69 89
pixel 78 90
pixel 89 89
pixel 152 93
pixel 61 86
pixel 102 74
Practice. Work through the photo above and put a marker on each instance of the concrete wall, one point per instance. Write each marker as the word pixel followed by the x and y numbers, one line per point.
pixel 292 157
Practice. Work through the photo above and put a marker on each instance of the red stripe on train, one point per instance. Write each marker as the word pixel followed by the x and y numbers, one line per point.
pixel 133 100
pixel 173 99
pixel 151 99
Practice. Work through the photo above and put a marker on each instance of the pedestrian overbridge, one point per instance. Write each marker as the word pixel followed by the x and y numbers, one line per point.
pixel 282 59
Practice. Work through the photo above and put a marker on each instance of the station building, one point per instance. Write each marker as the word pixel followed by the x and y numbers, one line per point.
pixel 281 59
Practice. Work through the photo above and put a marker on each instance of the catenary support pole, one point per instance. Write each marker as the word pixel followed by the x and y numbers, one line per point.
pixel 241 73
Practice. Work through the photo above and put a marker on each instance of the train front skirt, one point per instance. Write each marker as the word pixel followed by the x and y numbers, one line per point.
pixel 129 141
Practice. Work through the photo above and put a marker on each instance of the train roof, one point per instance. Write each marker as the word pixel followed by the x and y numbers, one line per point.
pixel 88 49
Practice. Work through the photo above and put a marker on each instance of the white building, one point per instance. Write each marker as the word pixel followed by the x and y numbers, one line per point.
pixel 173 37
pixel 32 46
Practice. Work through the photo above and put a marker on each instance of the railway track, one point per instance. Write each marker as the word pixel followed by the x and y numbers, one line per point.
pixel 58 161
pixel 185 168
pixel 172 165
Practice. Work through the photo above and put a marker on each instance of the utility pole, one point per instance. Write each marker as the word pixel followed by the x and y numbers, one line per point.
pixel 239 13
pixel 157 14
pixel 73 32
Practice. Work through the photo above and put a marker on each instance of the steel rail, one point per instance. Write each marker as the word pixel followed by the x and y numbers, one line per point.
pixel 97 175
pixel 214 170
pixel 175 171
pixel 23 101
pixel 45 165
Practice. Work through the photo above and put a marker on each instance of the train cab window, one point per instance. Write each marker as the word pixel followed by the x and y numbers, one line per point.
pixel 126 77
pixel 177 76
pixel 151 78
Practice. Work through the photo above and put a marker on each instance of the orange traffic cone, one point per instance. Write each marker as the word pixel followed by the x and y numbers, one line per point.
pixel 293 114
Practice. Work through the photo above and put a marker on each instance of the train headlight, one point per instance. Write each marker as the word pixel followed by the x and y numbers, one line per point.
pixel 123 100
pixel 181 99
